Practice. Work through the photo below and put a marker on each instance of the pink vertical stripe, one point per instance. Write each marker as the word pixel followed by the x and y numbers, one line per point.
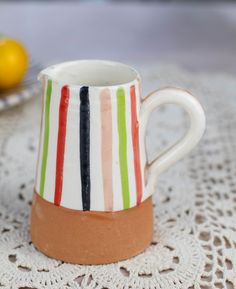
pixel 106 136
pixel 135 140
pixel 61 140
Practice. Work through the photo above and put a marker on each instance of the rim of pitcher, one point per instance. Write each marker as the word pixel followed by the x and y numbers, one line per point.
pixel 48 72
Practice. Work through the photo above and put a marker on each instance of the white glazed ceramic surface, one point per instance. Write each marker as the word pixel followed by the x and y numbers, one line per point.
pixel 92 146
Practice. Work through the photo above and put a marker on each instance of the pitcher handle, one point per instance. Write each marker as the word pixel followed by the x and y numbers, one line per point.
pixel 183 146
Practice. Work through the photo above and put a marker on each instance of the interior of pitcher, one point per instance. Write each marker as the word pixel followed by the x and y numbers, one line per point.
pixel 91 73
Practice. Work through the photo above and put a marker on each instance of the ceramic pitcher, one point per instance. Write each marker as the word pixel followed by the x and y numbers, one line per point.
pixel 92 202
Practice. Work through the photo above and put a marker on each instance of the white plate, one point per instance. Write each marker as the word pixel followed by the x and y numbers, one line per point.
pixel 26 90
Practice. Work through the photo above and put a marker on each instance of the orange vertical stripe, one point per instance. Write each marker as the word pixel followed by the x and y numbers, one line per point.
pixel 135 140
pixel 106 136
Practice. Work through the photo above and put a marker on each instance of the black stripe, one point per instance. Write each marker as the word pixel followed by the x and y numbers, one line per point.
pixel 85 147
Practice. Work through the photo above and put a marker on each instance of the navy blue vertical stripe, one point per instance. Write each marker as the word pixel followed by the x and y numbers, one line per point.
pixel 85 147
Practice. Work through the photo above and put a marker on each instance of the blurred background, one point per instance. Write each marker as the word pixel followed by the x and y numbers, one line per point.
pixel 197 35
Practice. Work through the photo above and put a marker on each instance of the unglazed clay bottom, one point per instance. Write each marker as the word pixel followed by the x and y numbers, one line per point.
pixel 90 237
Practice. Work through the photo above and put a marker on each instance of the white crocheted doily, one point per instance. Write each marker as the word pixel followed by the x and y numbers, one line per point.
pixel 195 206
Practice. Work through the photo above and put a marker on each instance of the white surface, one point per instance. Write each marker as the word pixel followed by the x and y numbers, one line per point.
pixel 196 36
pixel 195 231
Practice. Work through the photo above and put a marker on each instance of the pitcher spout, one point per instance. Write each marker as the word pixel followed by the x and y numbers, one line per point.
pixel 45 73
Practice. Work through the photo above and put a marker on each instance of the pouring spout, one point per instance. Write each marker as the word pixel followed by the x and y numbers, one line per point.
pixel 43 74
pixel 40 76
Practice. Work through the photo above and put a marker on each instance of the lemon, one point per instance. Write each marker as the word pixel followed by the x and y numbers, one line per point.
pixel 13 62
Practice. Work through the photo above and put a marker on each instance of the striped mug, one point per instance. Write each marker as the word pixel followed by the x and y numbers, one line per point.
pixel 92 202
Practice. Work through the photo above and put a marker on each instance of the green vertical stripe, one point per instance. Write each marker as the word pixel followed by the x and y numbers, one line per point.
pixel 121 120
pixel 46 137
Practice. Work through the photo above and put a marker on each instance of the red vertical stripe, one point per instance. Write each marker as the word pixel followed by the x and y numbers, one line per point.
pixel 135 140
pixel 61 143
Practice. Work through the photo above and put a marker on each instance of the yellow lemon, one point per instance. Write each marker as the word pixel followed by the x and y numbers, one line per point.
pixel 13 62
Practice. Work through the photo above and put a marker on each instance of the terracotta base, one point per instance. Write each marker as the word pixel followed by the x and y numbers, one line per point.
pixel 88 237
